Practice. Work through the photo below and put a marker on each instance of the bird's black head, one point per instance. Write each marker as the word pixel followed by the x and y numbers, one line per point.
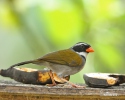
pixel 82 47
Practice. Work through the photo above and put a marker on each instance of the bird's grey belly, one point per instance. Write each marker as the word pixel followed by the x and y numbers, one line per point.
pixel 63 70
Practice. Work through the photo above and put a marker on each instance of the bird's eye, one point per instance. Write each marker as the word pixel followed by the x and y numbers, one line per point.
pixel 82 46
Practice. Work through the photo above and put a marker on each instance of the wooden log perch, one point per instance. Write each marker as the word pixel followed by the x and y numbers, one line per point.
pixel 11 90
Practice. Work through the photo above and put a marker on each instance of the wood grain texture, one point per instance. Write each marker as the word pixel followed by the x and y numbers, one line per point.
pixel 16 91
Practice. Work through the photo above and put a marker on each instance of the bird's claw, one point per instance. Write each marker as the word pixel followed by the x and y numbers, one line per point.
pixel 77 86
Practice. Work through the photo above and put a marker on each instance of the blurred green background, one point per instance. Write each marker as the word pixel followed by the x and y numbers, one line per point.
pixel 32 28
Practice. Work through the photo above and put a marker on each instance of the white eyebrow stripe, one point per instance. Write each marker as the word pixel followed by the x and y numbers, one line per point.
pixel 81 44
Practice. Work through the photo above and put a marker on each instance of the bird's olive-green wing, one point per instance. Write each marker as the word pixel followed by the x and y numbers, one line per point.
pixel 63 57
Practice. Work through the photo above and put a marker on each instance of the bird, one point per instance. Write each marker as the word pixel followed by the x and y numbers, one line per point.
pixel 63 62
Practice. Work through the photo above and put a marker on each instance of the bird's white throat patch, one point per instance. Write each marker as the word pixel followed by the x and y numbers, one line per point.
pixel 83 54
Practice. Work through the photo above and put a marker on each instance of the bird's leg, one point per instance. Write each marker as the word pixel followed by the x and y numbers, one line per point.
pixel 73 85
pixel 53 81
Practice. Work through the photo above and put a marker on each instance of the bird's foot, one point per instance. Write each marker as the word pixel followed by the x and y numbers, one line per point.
pixel 51 85
pixel 73 85
pixel 77 86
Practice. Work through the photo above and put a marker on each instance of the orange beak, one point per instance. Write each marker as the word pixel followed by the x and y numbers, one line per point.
pixel 89 49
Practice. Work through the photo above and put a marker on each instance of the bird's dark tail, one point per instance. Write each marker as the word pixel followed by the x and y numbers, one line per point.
pixel 21 63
